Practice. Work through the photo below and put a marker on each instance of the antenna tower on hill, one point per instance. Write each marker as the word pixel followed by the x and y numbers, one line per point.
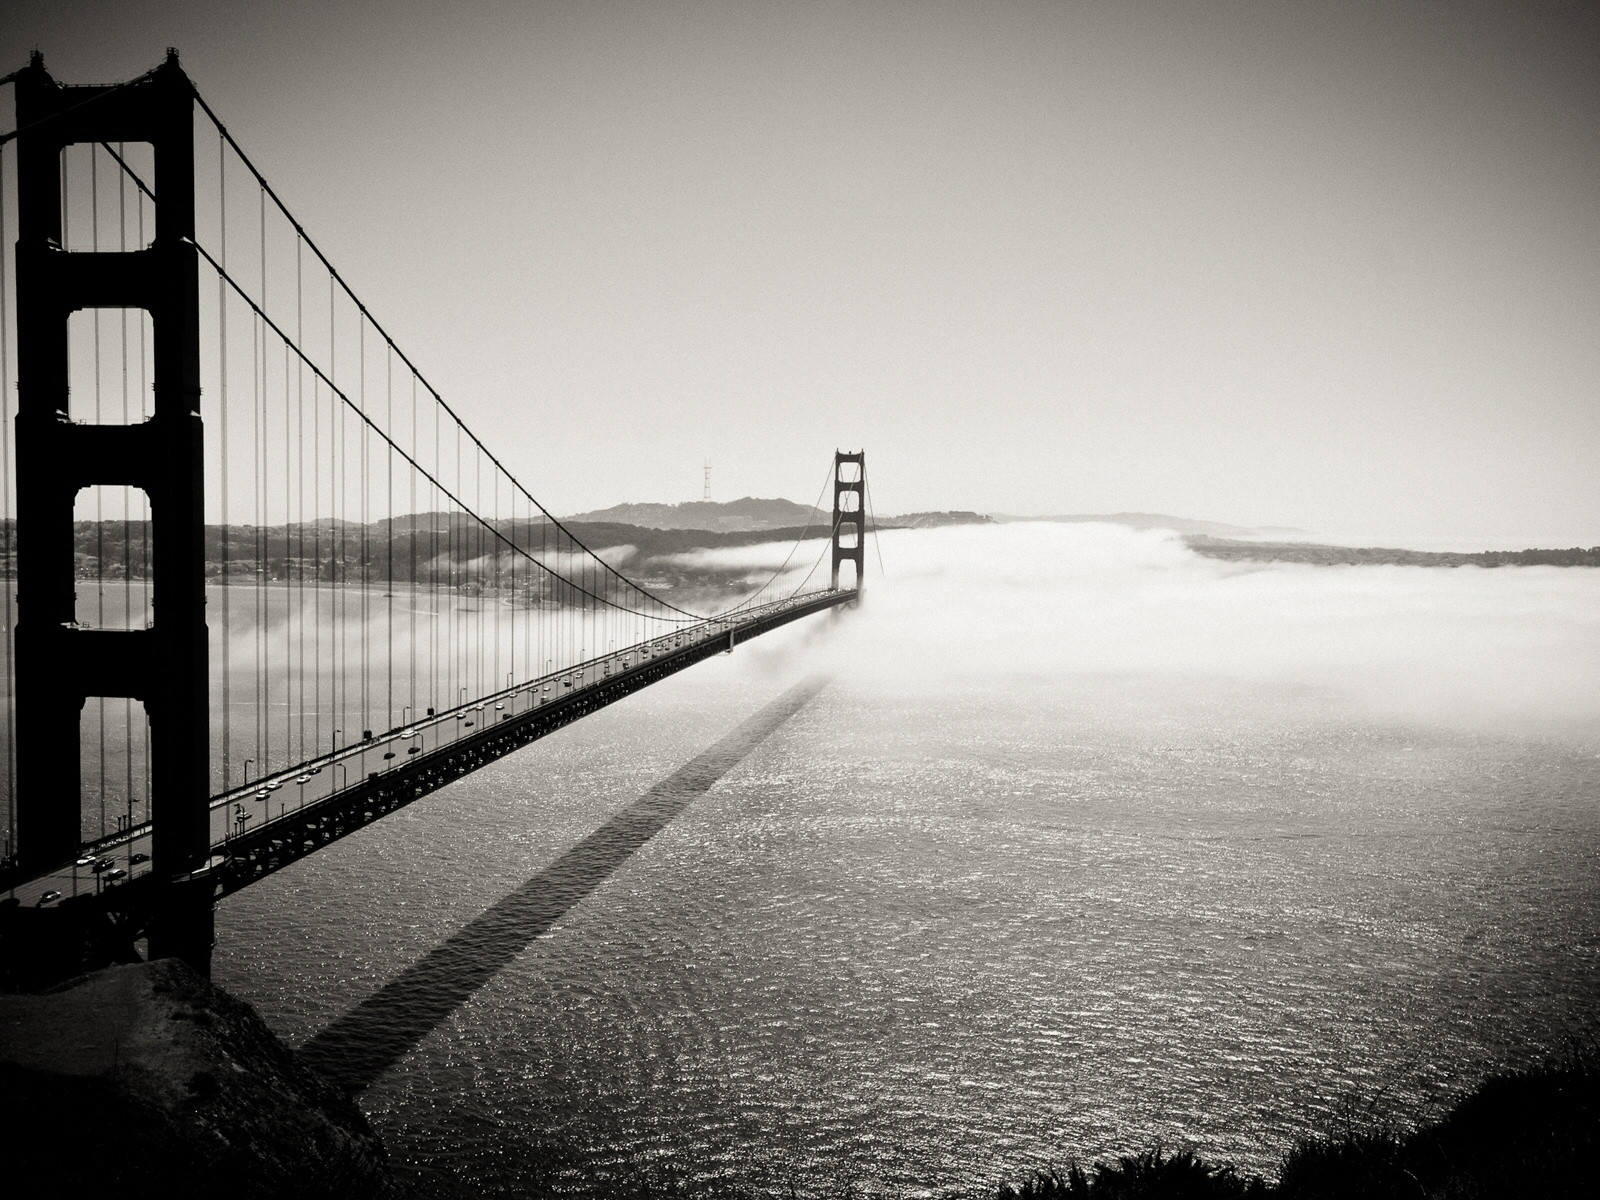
pixel 707 495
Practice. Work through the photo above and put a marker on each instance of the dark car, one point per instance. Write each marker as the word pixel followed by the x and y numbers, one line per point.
pixel 52 894
pixel 105 864
pixel 114 876
pixel 139 858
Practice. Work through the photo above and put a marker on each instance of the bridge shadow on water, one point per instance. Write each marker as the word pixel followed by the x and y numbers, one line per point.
pixel 369 1039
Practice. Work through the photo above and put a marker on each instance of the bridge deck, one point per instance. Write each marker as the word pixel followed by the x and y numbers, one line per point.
pixel 260 828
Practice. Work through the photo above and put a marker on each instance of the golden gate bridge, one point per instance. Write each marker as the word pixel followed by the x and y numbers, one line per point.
pixel 262 585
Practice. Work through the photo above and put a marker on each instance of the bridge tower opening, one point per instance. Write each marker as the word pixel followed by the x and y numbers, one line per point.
pixel 59 664
pixel 849 509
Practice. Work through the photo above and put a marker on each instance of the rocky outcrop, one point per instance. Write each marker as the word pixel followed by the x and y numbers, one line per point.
pixel 145 1080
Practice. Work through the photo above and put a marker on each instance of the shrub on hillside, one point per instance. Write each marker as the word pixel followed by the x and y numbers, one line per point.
pixel 1523 1134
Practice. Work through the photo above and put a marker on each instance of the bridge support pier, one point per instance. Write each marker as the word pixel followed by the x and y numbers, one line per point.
pixel 59 664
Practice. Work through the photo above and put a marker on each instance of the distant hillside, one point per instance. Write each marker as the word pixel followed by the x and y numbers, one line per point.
pixel 1160 521
pixel 933 520
pixel 752 514
pixel 1331 556
pixel 732 516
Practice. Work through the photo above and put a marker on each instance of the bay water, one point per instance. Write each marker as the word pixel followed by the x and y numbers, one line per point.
pixel 1090 843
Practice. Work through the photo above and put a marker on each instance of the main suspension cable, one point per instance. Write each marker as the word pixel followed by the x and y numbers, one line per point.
pixel 478 445
pixel 411 366
pixel 305 361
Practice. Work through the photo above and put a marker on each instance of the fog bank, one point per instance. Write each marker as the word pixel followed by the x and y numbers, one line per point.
pixel 1508 648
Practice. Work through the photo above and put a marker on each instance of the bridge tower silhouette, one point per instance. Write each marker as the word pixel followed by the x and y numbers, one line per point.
pixel 849 509
pixel 59 665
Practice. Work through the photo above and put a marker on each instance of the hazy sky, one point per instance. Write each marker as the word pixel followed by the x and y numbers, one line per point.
pixel 1329 265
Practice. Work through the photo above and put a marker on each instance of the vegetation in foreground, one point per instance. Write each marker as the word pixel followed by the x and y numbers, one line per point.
pixel 1525 1134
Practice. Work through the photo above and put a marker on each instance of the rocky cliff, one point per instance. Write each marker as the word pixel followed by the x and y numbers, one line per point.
pixel 145 1080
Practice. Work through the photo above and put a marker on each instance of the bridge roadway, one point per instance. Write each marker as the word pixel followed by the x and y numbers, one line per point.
pixel 261 827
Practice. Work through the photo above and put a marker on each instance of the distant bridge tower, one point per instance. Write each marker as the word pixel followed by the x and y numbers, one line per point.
pixel 58 664
pixel 707 491
pixel 849 521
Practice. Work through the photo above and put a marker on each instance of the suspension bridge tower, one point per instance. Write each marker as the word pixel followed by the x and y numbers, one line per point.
pixel 59 663
pixel 849 507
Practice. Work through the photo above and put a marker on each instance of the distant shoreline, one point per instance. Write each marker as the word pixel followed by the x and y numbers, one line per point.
pixel 1318 555
pixel 446 549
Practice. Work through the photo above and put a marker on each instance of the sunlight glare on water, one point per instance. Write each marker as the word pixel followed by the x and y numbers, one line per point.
pixel 1091 843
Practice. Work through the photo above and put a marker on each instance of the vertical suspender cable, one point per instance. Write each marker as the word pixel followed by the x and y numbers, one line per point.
pixel 300 497
pixel 411 542
pixel 316 539
pixel 872 521
pixel 99 492
pixel 433 572
pixel 9 565
pixel 484 576
pixel 257 625
pixel 127 511
pixel 144 525
pixel 288 577
pixel 333 525
pixel 389 540
pixel 335 581
pixel 224 593
pixel 263 529
pixel 458 550
pixel 366 720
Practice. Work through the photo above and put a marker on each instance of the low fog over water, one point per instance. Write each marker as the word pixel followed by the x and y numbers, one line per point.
pixel 1090 842
pixel 1498 649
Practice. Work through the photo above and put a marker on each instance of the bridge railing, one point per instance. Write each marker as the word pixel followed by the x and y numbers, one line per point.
pixel 243 817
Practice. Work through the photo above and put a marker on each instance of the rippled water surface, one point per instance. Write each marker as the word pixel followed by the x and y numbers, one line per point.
pixel 933 931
